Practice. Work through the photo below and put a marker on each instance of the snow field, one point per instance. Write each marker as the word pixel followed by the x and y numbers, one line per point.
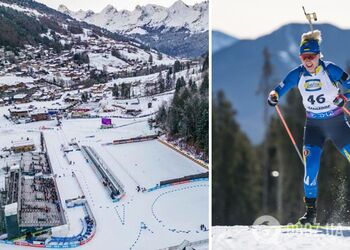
pixel 176 203
pixel 272 237
pixel 154 162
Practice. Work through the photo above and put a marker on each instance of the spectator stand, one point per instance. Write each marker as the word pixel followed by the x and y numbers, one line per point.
pixel 88 226
pixel 112 184
pixel 135 139
pixel 184 153
pixel 179 181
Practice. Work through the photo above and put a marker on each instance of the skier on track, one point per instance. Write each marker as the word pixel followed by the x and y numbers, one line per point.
pixel 319 84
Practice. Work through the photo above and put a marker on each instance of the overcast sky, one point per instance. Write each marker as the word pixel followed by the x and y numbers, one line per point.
pixel 98 5
pixel 253 18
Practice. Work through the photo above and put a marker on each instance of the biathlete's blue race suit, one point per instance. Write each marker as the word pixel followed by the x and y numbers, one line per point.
pixel 324 119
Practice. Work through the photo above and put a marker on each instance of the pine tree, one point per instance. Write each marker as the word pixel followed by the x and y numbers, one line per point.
pixel 205 65
pixel 180 83
pixel 204 88
pixel 115 91
pixel 202 125
pixel 177 66
pixel 161 116
pixel 161 85
pixel 235 173
pixel 123 93
pixel 192 86
pixel 150 58
pixel 159 56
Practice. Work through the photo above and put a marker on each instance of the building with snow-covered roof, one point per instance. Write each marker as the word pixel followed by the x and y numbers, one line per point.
pixel 133 109
pixel 23 146
pixel 11 220
pixel 21 98
pixel 86 107
pixel 40 114
pixel 19 112
pixel 32 200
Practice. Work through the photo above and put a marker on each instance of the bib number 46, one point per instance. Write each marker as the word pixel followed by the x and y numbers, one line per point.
pixel 319 99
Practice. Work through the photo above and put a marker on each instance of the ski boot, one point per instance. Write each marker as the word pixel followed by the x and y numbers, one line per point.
pixel 309 218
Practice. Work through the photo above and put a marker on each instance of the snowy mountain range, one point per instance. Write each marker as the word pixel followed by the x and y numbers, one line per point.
pixel 142 18
pixel 237 69
pixel 180 30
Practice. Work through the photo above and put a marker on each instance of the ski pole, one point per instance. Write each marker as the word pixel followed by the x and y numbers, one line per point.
pixel 289 133
pixel 346 111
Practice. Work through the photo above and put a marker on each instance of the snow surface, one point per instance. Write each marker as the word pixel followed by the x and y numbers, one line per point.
pixel 150 167
pixel 11 79
pixel 113 63
pixel 274 237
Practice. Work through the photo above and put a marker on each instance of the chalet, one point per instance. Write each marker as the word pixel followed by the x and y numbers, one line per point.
pixel 86 107
pixel 19 113
pixel 4 87
pixel 7 100
pixel 23 146
pixel 39 115
pixel 72 99
pixel 45 97
pixel 133 109
pixel 97 88
pixel 37 95
pixel 21 98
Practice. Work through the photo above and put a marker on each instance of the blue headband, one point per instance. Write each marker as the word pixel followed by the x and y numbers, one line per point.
pixel 310 46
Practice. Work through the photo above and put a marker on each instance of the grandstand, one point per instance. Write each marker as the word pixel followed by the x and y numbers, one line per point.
pixel 33 163
pixel 32 201
pixel 108 179
pixel 39 204
pixel 11 185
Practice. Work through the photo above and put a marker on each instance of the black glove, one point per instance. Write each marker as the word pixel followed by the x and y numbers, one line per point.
pixel 340 100
pixel 272 100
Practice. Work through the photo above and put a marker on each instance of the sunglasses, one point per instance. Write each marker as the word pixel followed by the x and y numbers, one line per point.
pixel 308 56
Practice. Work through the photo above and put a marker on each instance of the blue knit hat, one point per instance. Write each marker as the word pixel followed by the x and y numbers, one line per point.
pixel 310 46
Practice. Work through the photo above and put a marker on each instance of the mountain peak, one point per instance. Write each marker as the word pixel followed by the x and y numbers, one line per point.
pixel 179 4
pixel 178 15
pixel 109 9
pixel 62 8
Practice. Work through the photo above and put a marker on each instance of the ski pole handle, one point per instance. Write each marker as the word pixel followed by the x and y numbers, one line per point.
pixel 289 133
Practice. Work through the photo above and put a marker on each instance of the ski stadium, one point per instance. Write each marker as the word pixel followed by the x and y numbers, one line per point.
pixel 75 185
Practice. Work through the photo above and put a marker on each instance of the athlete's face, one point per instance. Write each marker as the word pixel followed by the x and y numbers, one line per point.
pixel 310 61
